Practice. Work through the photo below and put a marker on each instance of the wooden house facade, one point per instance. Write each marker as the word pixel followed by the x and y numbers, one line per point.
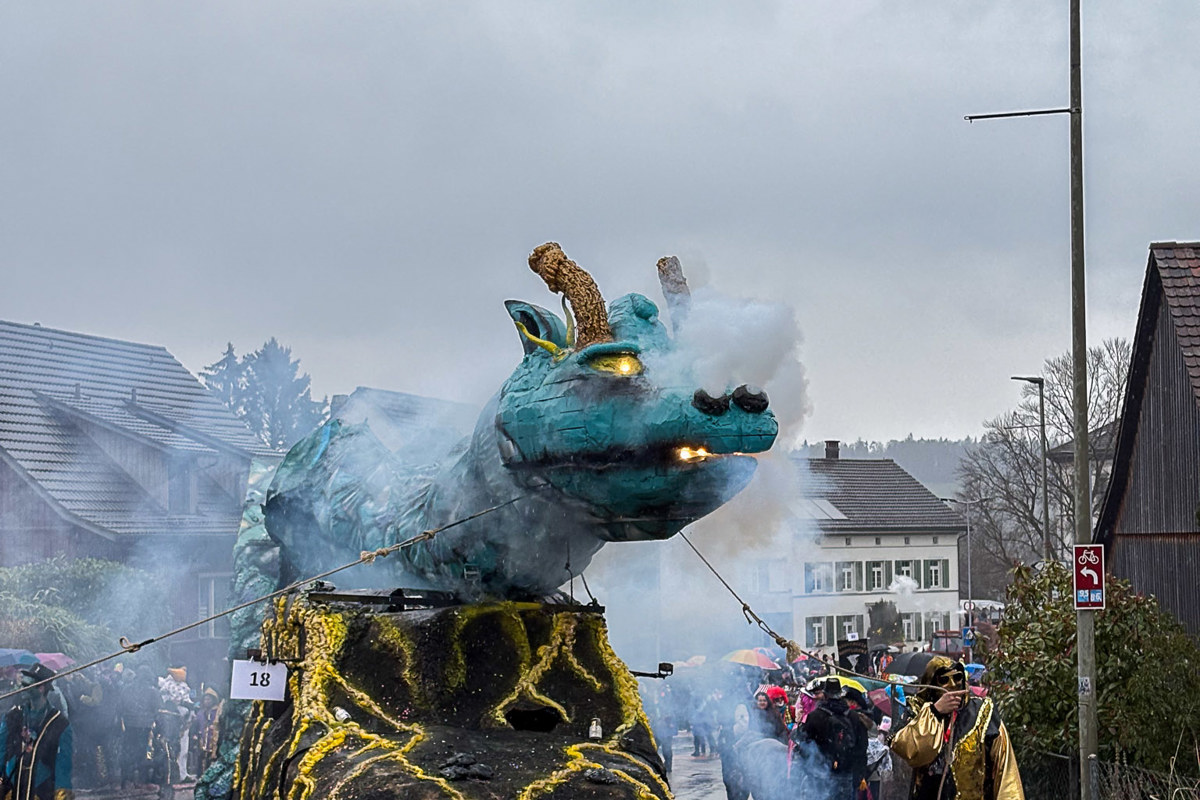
pixel 1150 519
pixel 111 449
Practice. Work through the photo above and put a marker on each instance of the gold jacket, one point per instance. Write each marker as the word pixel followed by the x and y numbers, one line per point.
pixel 982 765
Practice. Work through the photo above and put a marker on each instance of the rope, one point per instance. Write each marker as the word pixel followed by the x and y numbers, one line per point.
pixel 790 647
pixel 366 557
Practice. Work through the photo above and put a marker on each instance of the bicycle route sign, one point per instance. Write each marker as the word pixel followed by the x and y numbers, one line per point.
pixel 1089 576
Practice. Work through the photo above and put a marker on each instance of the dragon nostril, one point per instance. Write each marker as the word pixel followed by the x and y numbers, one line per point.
pixel 706 403
pixel 751 399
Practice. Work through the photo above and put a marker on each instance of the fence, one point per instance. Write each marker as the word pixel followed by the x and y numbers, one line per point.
pixel 1050 776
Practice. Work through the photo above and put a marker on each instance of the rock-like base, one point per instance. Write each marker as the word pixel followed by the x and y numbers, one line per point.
pixel 477 701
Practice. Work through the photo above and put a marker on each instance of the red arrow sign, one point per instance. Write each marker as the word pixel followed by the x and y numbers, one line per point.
pixel 1089 576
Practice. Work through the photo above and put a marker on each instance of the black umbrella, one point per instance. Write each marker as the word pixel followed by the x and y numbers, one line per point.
pixel 910 664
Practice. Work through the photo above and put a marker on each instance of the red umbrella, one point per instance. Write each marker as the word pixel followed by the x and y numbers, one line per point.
pixel 55 661
pixel 751 658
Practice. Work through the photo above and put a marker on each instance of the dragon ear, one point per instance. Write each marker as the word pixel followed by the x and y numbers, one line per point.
pixel 538 327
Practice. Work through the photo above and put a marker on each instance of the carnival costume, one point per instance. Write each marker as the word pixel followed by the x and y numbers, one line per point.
pixel 965 755
pixel 37 748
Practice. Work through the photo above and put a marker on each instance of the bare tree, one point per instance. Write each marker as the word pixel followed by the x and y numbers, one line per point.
pixel 1005 466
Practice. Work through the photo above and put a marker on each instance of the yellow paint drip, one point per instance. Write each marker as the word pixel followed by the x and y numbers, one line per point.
pixel 562 637
pixel 624 683
pixel 315 679
pixel 310 686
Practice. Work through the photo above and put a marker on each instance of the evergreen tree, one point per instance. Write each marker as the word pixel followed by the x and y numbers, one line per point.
pixel 276 402
pixel 226 379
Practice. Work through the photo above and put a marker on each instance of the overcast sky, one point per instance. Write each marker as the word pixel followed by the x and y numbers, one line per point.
pixel 365 180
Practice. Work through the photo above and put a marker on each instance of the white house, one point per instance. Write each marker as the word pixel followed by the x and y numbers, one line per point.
pixel 865 531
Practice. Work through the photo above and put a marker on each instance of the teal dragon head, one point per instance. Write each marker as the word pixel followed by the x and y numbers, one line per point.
pixel 585 411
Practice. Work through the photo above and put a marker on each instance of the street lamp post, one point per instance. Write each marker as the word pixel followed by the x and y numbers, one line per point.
pixel 970 589
pixel 1046 542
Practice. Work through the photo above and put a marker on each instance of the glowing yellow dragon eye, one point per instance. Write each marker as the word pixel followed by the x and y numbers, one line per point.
pixel 619 364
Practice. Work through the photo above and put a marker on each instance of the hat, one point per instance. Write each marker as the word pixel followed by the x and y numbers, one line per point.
pixel 776 693
pixel 832 687
pixel 36 674
pixel 212 692
pixel 178 673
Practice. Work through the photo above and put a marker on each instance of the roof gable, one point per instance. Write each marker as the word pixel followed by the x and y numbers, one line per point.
pixel 1172 282
pixel 875 494
pixel 53 381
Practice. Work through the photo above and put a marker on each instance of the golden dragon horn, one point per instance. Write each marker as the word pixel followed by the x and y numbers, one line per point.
pixel 562 275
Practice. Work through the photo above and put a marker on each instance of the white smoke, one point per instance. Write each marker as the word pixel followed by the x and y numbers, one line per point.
pixel 725 342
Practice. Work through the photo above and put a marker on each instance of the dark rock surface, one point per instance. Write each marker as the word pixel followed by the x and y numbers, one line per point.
pixel 475 701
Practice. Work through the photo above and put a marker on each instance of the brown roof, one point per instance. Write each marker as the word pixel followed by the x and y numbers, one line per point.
pixel 1178 265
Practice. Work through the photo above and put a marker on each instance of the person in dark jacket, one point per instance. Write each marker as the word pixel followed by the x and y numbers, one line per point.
pixel 838 732
pixel 38 744
pixel 138 705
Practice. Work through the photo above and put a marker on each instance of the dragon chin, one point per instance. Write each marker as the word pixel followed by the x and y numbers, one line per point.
pixel 651 499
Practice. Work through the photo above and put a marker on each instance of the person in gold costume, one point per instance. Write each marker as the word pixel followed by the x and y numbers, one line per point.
pixel 955 742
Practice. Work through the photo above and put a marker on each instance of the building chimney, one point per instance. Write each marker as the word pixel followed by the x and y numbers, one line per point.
pixel 831 448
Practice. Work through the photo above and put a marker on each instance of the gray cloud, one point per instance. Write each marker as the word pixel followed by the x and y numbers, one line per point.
pixel 365 180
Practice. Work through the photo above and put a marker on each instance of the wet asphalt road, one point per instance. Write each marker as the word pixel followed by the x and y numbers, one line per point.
pixel 695 778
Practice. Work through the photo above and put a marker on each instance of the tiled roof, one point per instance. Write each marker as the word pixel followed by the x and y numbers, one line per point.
pixel 874 494
pixel 52 381
pixel 1179 270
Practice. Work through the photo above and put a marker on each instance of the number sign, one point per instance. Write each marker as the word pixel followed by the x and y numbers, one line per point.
pixel 255 680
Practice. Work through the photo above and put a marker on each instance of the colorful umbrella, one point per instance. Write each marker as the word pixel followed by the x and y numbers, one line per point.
pixel 16 658
pixel 751 658
pixel 55 661
pixel 847 683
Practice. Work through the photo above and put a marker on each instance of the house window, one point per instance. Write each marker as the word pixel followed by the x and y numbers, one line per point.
pixel 849 626
pixel 814 632
pixel 213 596
pixel 935 540
pixel 876 576
pixel 760 577
pixel 907 540
pixel 878 540
pixel 937 573
pixel 848 540
pixel 849 576
pixel 906 569
pixel 818 577
pixel 936 621
pixel 911 623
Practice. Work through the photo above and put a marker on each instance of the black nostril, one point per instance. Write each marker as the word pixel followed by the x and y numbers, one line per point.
pixel 706 403
pixel 751 399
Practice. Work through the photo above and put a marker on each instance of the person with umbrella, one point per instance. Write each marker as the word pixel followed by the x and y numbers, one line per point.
pixel 955 741
pixel 38 744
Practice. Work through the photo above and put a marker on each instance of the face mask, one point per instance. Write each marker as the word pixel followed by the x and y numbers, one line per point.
pixel 951 678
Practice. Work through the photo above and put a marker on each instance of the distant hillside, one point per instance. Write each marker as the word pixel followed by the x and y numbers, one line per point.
pixel 934 462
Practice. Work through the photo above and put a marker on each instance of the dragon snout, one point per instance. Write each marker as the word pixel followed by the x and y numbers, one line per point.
pixel 750 399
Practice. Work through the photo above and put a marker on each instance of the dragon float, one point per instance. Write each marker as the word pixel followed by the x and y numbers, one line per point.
pixel 587 442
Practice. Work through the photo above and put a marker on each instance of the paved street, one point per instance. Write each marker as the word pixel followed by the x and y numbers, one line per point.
pixel 695 778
